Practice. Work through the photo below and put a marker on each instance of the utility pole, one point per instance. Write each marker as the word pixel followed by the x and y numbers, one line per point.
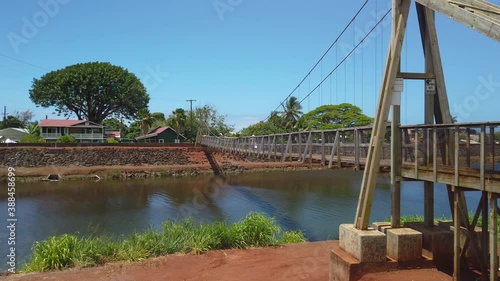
pixel 191 112
pixel 4 113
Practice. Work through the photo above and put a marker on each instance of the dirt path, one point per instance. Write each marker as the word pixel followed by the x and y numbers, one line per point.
pixel 305 261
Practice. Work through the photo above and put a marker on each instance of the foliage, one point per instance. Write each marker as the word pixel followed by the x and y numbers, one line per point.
pixel 113 123
pixel 33 129
pixel 111 140
pixel 66 139
pixel 291 113
pixel 262 128
pixel 145 119
pixel 11 122
pixel 92 91
pixel 178 120
pixel 24 116
pixel 343 115
pixel 185 236
pixel 30 138
pixel 207 116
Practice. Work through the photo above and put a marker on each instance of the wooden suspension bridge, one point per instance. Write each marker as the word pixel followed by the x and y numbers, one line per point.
pixel 462 156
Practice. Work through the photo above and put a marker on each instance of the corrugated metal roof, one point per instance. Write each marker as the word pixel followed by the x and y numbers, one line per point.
pixel 64 123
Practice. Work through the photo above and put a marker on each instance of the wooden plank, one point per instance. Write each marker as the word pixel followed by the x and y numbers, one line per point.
pixel 493 236
pixel 356 149
pixel 308 144
pixel 434 153
pixel 492 148
pixel 481 24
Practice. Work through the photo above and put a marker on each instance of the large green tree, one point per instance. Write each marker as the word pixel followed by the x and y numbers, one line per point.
pixel 331 116
pixel 178 120
pixel 91 91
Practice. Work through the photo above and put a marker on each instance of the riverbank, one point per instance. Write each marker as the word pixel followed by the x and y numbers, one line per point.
pixel 303 261
pixel 36 164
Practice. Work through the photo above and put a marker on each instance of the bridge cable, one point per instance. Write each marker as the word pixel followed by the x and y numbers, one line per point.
pixel 321 58
pixel 347 56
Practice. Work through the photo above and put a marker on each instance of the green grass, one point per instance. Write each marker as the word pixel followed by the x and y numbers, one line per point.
pixel 186 236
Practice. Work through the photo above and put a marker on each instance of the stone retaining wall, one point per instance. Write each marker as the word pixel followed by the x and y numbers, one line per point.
pixel 40 157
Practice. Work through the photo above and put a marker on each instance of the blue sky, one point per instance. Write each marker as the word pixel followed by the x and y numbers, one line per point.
pixel 243 60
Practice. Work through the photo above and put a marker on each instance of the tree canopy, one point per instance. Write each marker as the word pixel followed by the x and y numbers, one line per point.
pixel 91 91
pixel 331 116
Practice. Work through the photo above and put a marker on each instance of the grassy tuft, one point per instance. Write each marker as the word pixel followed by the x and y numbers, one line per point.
pixel 186 236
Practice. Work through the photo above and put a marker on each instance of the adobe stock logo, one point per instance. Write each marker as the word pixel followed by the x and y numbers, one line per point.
pixel 31 25
pixel 223 6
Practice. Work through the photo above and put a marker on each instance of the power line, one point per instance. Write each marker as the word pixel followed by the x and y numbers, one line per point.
pixel 318 62
pixel 27 63
pixel 347 56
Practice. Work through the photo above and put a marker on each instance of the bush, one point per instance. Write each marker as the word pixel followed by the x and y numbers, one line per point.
pixel 66 139
pixel 32 139
pixel 111 140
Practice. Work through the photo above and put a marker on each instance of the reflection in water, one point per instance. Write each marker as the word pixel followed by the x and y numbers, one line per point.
pixel 313 201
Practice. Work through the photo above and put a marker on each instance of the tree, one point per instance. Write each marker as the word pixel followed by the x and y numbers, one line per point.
pixel 178 120
pixel 29 138
pixel 262 128
pixel 11 122
pixel 291 112
pixel 343 115
pixel 91 91
pixel 145 119
pixel 24 116
pixel 209 117
pixel 33 129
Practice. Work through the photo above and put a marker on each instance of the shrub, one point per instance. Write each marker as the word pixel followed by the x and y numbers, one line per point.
pixel 66 139
pixel 32 139
pixel 111 140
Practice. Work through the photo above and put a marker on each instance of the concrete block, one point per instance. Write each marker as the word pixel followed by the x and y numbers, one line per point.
pixel 365 245
pixel 404 244
pixel 438 241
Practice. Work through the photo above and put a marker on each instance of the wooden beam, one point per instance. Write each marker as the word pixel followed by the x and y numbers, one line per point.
pixel 415 76
pixel 372 165
pixel 481 23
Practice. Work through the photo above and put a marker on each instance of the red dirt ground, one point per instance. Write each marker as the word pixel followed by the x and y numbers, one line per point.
pixel 305 261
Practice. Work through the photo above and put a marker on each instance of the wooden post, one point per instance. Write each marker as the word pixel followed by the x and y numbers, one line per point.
pixel 482 157
pixel 492 149
pixel 493 236
pixel 334 148
pixel 323 158
pixel 467 145
pixel 456 235
pixel 372 166
pixel 356 149
pixel 396 160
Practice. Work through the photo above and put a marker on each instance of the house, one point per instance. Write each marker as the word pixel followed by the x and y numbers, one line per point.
pixel 160 135
pixel 113 134
pixel 10 135
pixel 83 131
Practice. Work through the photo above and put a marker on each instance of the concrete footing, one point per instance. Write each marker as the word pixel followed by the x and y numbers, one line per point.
pixel 404 244
pixel 364 245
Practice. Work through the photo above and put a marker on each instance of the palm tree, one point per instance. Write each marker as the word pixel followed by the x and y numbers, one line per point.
pixel 33 129
pixel 291 112
pixel 179 120
pixel 146 119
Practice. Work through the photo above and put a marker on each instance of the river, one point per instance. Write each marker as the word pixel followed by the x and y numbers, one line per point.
pixel 313 201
